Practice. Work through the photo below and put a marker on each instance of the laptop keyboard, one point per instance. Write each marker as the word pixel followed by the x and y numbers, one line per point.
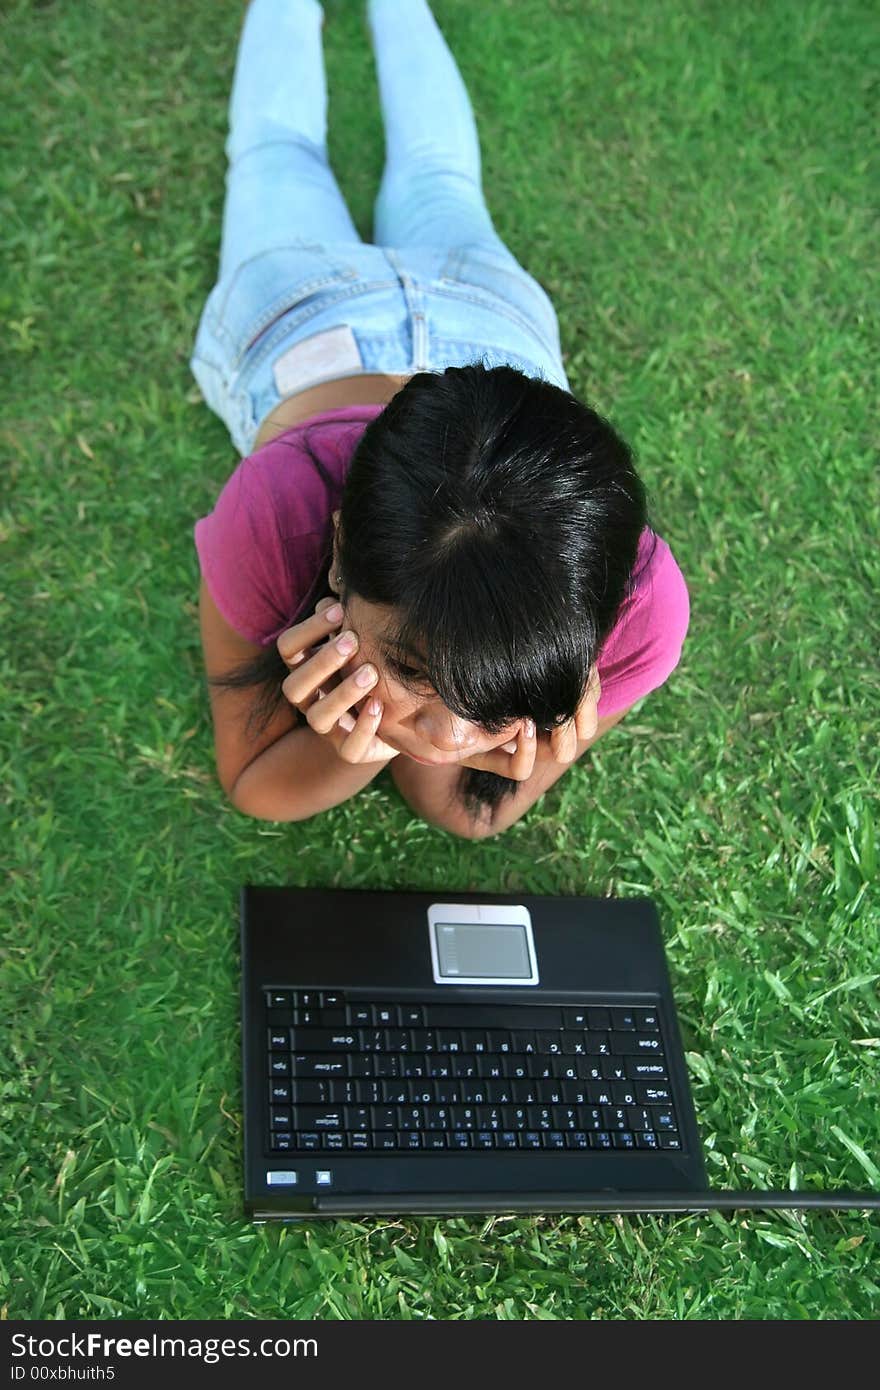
pixel 378 1076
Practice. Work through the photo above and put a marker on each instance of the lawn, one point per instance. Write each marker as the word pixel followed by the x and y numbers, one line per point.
pixel 691 181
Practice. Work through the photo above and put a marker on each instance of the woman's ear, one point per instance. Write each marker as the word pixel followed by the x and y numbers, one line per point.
pixel 334 563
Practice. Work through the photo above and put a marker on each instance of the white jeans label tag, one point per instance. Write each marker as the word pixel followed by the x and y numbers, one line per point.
pixel 318 358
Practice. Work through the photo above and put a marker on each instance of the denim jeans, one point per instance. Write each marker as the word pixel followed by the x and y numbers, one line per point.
pixel 300 298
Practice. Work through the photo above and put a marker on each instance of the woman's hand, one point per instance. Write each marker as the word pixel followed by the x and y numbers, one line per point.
pixel 518 759
pixel 315 688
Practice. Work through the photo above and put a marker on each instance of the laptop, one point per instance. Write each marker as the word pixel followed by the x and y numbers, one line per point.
pixel 460 1052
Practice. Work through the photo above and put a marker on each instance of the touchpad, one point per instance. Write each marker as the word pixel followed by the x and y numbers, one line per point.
pixel 500 951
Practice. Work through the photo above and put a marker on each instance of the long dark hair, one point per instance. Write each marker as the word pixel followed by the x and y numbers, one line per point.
pixel 500 518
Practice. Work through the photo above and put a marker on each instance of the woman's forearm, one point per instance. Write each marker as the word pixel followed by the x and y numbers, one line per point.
pixel 298 776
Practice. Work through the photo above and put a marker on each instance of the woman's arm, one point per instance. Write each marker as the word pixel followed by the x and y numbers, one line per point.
pixel 432 792
pixel 286 773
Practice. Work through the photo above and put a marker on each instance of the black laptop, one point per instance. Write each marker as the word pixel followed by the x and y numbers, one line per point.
pixel 459 1052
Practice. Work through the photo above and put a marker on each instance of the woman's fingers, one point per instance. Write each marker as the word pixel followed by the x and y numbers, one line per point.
pixel 564 742
pixel 293 644
pixel 337 703
pixel 522 762
pixel 299 687
pixel 565 738
pixel 361 745
pixel 587 715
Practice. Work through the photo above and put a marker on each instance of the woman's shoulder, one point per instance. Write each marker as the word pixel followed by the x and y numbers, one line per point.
pixel 645 645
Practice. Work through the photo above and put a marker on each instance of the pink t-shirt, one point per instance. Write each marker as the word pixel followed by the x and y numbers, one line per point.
pixel 260 552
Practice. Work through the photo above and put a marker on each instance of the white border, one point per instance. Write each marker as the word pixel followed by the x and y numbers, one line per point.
pixel 478 914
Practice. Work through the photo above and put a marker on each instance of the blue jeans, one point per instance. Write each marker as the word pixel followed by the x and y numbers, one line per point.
pixel 300 298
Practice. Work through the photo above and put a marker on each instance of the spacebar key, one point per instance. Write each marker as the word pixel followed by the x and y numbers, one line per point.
pixel 492 1016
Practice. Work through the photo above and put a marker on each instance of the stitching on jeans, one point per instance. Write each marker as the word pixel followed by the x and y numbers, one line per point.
pixel 291 297
pixel 353 293
pixel 485 301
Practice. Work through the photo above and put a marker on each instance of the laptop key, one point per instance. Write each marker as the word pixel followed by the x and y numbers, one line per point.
pixel 647 1139
pixel 414 1065
pixel 668 1140
pixel 603 1094
pixel 614 1117
pixel 282 1143
pixel 506 1139
pixel 636 1044
pixel 356 1092
pixel 397 1092
pixel 434 1141
pixel 409 1139
pixel 599 1020
pixel 316 1064
pixel 639 1118
pixel 317 1092
pixel 623 1020
pixel 516 1067
pixel 460 1139
pixel 334 1139
pixel 493 1016
pixel 484 1139
pixel 316 1117
pixel 386 1066
pixel 624 1139
pixel 613 1069
pixel 653 1095
pixel 663 1118
pixel 473 1092
pixel 553 1139
pixel 464 1064
pixel 411 1117
pixel 576 1139
pixel 648 1020
pixel 385 1139
pixel 638 1070
pixel 307 1140
pixel 600 1139
pixel 539 1117
pixel 330 999
pixel 360 1140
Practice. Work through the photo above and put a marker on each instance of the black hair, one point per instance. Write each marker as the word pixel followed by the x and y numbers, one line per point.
pixel 500 518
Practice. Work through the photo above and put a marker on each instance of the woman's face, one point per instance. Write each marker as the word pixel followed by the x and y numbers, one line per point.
pixel 414 719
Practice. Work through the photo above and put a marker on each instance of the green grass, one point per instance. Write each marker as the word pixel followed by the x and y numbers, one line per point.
pixel 691 181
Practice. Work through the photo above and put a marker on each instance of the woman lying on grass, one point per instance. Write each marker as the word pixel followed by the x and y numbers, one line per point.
pixel 502 600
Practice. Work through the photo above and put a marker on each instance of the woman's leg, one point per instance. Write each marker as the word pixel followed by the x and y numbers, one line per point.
pixel 280 187
pixel 430 194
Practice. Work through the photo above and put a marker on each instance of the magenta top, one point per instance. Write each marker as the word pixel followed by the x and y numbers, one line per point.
pixel 260 553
